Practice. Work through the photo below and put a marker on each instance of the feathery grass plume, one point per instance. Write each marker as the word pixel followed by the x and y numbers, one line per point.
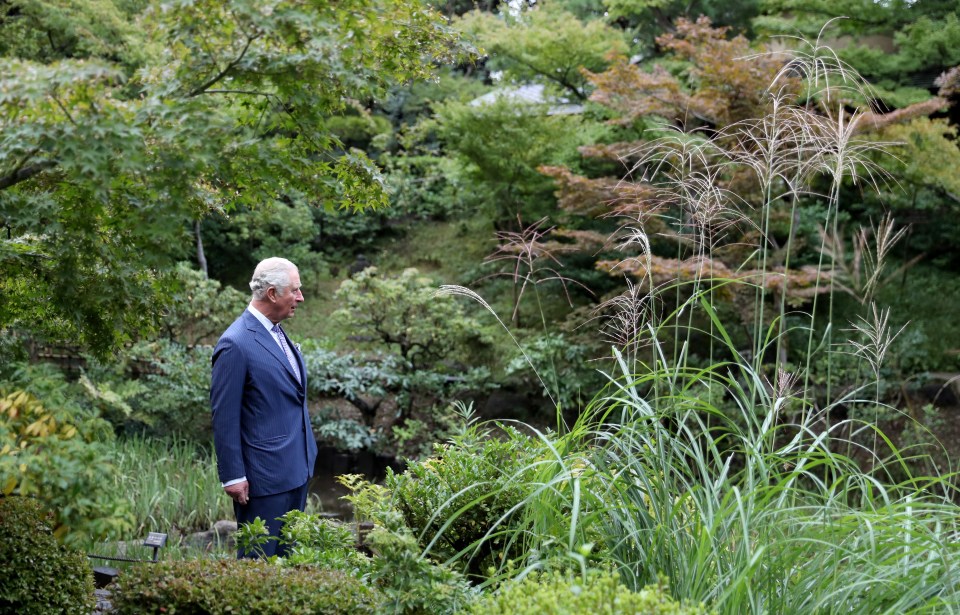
pixel 831 138
pixel 624 318
pixel 454 290
pixel 689 171
pixel 862 271
pixel 525 250
pixel 877 337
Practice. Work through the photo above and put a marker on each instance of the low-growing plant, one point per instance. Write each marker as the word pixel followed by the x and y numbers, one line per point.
pixel 566 593
pixel 313 541
pixel 218 587
pixel 342 433
pixel 40 575
pixel 412 582
pixel 458 500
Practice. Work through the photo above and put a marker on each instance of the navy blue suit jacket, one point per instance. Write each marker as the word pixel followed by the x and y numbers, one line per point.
pixel 261 428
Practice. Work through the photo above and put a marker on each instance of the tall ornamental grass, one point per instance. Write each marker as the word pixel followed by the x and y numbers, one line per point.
pixel 171 484
pixel 718 482
pixel 750 505
pixel 732 476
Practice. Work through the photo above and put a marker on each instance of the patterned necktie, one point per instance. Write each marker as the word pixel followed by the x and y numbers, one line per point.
pixel 286 350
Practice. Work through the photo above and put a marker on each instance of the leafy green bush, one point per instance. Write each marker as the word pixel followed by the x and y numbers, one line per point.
pixel 411 582
pixel 314 541
pixel 458 500
pixel 564 365
pixel 40 575
pixel 416 352
pixel 556 593
pixel 58 455
pixel 159 388
pixel 217 587
pixel 176 395
pixel 200 309
pixel 404 315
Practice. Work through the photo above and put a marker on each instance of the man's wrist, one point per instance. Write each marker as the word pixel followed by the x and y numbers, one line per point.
pixel 233 482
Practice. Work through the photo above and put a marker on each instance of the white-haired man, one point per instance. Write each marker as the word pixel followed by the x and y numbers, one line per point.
pixel 265 446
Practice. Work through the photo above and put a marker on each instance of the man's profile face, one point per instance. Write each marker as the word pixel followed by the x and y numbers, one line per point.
pixel 288 300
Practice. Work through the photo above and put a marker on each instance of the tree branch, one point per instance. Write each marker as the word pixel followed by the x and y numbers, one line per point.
pixel 62 108
pixel 562 81
pixel 25 172
pixel 223 73
pixel 247 92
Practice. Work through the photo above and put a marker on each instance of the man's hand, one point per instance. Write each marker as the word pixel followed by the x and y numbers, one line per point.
pixel 239 492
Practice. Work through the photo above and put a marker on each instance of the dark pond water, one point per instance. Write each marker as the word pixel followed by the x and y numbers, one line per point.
pixel 332 463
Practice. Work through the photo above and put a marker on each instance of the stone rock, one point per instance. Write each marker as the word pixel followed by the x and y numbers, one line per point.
pixel 222 534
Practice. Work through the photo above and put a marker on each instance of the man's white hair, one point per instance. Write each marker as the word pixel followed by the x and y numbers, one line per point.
pixel 273 271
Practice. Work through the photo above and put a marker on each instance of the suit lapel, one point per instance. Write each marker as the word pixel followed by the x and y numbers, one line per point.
pixel 266 341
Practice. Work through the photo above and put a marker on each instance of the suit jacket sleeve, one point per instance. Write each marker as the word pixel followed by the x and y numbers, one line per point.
pixel 226 400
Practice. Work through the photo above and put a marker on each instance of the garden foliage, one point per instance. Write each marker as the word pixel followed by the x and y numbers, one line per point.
pixel 565 593
pixel 219 587
pixel 59 454
pixel 459 500
pixel 408 581
pixel 40 575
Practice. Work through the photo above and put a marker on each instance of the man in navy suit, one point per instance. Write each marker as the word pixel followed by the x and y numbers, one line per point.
pixel 261 429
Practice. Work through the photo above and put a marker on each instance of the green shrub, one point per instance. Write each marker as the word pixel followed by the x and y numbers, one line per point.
pixel 408 582
pixel 558 593
pixel 177 392
pixel 58 453
pixel 313 540
pixel 40 575
pixel 412 583
pixel 158 388
pixel 217 587
pixel 458 500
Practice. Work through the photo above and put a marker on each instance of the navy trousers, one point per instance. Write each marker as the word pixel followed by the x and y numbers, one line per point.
pixel 270 508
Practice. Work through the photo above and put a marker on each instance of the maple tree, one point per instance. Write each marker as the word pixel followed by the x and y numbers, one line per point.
pixel 125 123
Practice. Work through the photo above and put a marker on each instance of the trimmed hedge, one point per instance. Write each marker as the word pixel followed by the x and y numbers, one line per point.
pixel 217 587
pixel 39 575
pixel 568 594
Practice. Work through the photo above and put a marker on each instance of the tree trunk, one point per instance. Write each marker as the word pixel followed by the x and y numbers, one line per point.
pixel 201 258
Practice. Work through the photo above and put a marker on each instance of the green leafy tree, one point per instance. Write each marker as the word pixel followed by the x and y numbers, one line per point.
pixel 926 194
pixel 899 46
pixel 403 314
pixel 645 20
pixel 123 123
pixel 426 349
pixel 500 145
pixel 545 44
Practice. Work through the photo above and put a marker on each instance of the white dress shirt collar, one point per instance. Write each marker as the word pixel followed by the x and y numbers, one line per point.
pixel 263 319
